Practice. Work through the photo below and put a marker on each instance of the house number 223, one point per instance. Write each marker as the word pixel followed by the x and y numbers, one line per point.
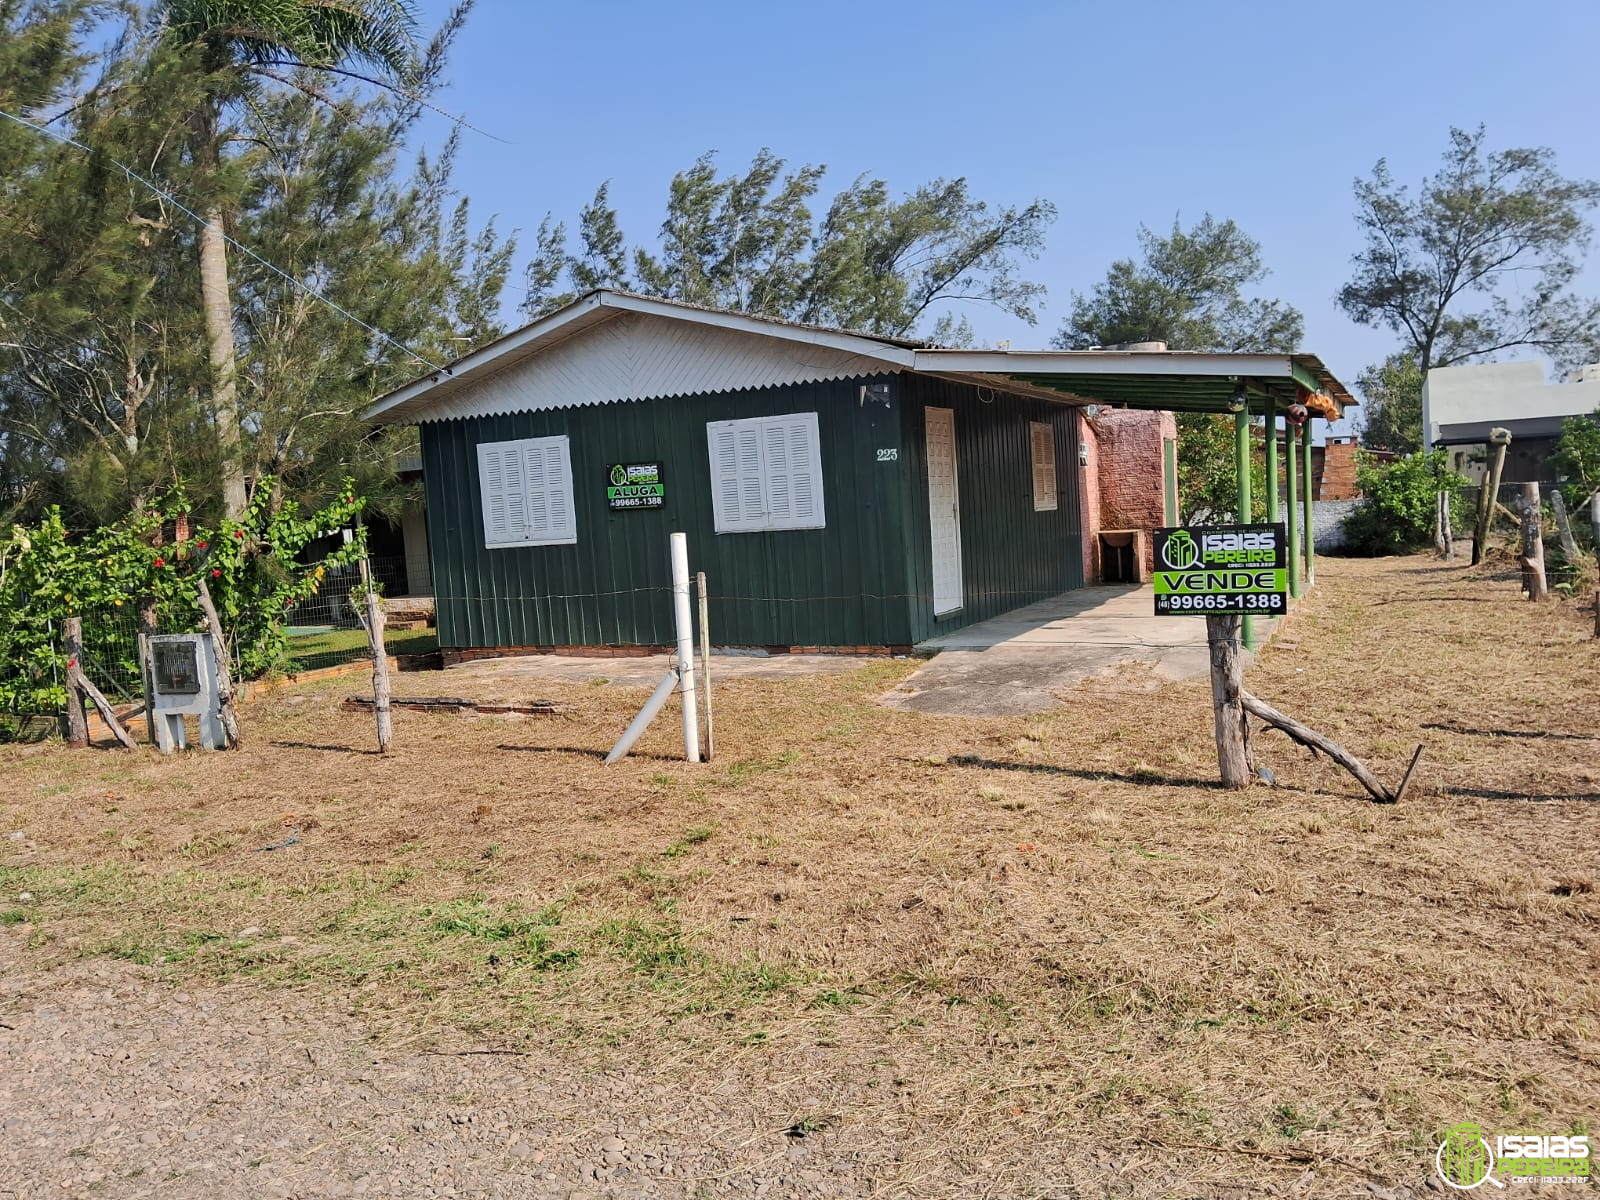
pixel 892 454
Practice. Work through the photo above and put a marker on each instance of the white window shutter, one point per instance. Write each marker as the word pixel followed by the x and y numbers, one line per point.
pixel 805 470
pixel 527 492
pixel 492 489
pixel 538 488
pixel 1043 438
pixel 766 473
pixel 723 442
pixel 559 509
pixel 778 473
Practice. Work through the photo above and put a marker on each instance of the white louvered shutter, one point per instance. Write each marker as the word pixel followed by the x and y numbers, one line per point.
pixel 766 473
pixel 776 465
pixel 722 439
pixel 527 492
pixel 805 465
pixel 752 483
pixel 500 474
pixel 561 514
pixel 1044 467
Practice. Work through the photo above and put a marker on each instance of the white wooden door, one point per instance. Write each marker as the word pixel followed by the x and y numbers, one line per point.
pixel 944 510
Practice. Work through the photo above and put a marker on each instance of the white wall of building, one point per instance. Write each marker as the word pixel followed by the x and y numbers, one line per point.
pixel 1508 391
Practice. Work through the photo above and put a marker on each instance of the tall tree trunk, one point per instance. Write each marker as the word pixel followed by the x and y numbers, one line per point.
pixel 218 304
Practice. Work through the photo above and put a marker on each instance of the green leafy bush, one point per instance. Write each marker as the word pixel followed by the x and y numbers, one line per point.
pixel 252 567
pixel 1401 500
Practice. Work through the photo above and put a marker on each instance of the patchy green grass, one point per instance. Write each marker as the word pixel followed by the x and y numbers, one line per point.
pixel 315 650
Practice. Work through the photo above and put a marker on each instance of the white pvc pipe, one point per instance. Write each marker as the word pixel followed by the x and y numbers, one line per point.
pixel 647 714
pixel 685 627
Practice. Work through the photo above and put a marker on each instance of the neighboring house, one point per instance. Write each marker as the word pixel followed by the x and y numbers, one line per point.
pixel 1461 404
pixel 839 490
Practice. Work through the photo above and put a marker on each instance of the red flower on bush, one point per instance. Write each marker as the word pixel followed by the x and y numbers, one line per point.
pixel 238 533
pixel 202 545
pixel 215 571
pixel 161 562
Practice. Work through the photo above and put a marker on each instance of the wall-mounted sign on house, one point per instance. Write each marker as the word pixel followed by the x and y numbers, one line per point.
pixel 635 485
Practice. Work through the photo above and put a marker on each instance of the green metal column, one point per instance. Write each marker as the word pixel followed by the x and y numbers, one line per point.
pixel 1169 479
pixel 1272 460
pixel 1309 531
pixel 1293 464
pixel 1241 468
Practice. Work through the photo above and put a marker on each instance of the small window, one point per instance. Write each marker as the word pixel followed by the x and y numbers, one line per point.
pixel 766 473
pixel 1043 440
pixel 527 493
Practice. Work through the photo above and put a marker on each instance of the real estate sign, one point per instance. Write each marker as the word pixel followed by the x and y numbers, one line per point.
pixel 635 485
pixel 1221 570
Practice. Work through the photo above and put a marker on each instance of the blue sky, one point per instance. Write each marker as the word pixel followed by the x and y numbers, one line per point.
pixel 1120 114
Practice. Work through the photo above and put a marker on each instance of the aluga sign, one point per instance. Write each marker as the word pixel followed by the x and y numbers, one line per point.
pixel 1222 570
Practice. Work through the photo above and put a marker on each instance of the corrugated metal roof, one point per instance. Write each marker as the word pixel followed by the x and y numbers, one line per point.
pixel 667 348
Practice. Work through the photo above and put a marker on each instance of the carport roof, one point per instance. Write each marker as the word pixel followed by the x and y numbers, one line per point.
pixel 1179 380
pixel 1182 381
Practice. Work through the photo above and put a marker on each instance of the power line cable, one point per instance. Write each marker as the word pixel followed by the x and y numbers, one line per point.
pixel 234 242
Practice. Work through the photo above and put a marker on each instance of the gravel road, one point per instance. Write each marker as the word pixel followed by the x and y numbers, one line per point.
pixel 114 1085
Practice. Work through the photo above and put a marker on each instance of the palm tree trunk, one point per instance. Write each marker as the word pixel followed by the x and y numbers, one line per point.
pixel 218 303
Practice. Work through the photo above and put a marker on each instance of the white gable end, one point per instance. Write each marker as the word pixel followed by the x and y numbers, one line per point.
pixel 634 356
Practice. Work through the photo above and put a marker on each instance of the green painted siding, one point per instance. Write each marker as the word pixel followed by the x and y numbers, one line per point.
pixel 845 585
pixel 1010 554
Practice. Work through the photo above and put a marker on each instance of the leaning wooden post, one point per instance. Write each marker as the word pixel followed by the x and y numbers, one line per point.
pixel 1308 523
pixel 380 666
pixel 1227 689
pixel 219 645
pixel 1241 473
pixel 1499 439
pixel 72 644
pixel 1533 577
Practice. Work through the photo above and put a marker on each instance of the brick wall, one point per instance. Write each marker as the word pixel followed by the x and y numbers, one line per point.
pixel 1333 470
pixel 1124 476
pixel 1089 496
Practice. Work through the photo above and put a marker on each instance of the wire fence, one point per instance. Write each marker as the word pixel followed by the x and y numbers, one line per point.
pixel 110 655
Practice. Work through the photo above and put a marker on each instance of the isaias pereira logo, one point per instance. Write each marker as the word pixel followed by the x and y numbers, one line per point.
pixel 619 475
pixel 1180 551
pixel 1466 1160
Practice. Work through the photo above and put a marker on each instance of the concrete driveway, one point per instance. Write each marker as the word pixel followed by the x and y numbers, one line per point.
pixel 1018 663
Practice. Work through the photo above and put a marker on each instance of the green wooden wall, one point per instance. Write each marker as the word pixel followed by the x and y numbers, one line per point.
pixel 844 585
pixel 864 580
pixel 1010 554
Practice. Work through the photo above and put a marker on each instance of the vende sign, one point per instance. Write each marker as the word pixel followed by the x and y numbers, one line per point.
pixel 1221 570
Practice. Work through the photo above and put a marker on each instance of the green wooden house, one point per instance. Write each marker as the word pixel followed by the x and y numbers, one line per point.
pixel 839 490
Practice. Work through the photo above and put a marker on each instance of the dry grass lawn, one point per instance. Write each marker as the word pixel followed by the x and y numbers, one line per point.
pixel 1030 948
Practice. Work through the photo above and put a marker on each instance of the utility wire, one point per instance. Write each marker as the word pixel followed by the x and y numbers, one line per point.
pixel 234 242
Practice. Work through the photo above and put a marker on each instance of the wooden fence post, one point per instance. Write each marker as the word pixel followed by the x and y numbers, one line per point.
pixel 72 644
pixel 380 666
pixel 230 720
pixel 1569 548
pixel 1500 439
pixel 1533 577
pixel 1227 688
pixel 147 630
